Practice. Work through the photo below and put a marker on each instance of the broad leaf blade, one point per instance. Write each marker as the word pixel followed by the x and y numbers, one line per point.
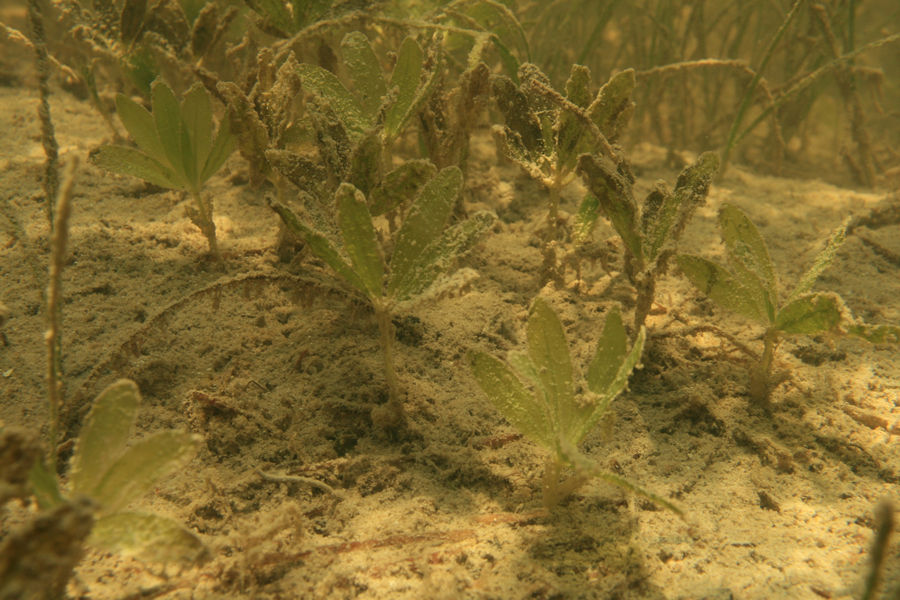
pixel 365 71
pixel 549 352
pixel 823 260
pixel 400 185
pixel 438 257
pixel 129 161
pixel 613 192
pixel 876 334
pixel 325 84
pixel 405 79
pixel 170 127
pixel 424 222
pixel 721 286
pixel 504 390
pixel 360 240
pixel 147 537
pixel 613 107
pixel 589 414
pixel 103 435
pixel 747 254
pixel 810 314
pixel 611 348
pixel 135 472
pixel 139 123
pixel 322 247
pixel 196 111
pixel 222 147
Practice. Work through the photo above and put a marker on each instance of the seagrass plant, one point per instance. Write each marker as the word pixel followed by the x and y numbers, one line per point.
pixel 748 286
pixel 649 231
pixel 539 395
pixel 177 148
pixel 546 132
pixel 113 474
pixel 422 249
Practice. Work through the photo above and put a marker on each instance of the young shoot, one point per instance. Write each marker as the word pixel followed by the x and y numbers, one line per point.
pixel 748 286
pixel 177 148
pixel 537 393
pixel 546 131
pixel 112 474
pixel 423 249
pixel 649 231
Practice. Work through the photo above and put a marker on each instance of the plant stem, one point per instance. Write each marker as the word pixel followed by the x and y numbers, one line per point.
pixel 203 220
pixel 550 270
pixel 761 375
pixel 386 334
pixel 60 237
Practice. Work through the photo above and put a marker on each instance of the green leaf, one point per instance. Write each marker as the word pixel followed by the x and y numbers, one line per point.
pixel 499 20
pixel 365 72
pixel 44 485
pixel 196 111
pixel 129 161
pixel 810 314
pixel 748 255
pixel 876 334
pixel 222 147
pixel 666 221
pixel 405 79
pixel 823 260
pixel 613 192
pixel 424 222
pixel 591 410
pixel 147 537
pixel 325 84
pixel 170 127
pixel 438 257
pixel 721 286
pixel 139 123
pixel 399 185
pixel 504 390
pixel 103 435
pixel 586 218
pixel 135 472
pixel 549 352
pixel 322 247
pixel 613 107
pixel 360 240
pixel 611 348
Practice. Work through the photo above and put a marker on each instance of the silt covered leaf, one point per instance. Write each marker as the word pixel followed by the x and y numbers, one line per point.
pixel 103 435
pixel 147 537
pixel 810 314
pixel 514 401
pixel 722 287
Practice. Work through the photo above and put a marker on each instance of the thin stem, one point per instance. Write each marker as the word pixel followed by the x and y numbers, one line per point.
pixel 204 221
pixel 761 376
pixel 386 334
pixel 60 237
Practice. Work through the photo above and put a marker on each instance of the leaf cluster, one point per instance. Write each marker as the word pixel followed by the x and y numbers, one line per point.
pixel 178 147
pixel 545 131
pixel 748 285
pixel 113 474
pixel 422 249
pixel 538 393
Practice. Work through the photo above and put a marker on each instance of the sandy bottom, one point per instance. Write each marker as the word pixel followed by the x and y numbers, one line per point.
pixel 278 369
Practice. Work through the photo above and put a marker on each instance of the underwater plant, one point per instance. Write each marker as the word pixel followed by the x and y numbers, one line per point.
pixel 178 148
pixel 112 474
pixel 558 412
pixel 422 250
pixel 546 132
pixel 650 231
pixel 748 286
